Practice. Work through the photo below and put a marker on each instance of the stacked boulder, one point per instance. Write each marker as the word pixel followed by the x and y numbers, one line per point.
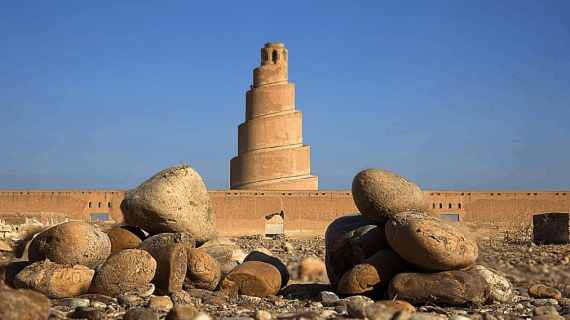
pixel 393 249
pixel 170 244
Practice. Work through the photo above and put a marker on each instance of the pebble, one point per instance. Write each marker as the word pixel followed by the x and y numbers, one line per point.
pixel 544 302
pixel 544 310
pixel 542 291
pixel 327 296
pixel 4 247
pixel 397 305
pixel 180 297
pixel 88 313
pixel 262 315
pixel 181 312
pixel 130 300
pixel 73 303
pixel 311 269
pixel 161 304
pixel 294 315
pixel 140 314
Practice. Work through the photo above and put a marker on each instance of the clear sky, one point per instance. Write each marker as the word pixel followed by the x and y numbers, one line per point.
pixel 453 95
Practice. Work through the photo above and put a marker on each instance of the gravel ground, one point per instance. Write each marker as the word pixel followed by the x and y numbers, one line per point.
pixel 522 262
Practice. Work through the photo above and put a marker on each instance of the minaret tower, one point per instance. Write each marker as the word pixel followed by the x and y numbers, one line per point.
pixel 271 153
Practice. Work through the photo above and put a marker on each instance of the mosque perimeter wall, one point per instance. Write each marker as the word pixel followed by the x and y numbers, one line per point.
pixel 243 212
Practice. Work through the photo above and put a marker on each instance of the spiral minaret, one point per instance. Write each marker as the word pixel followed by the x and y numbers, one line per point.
pixel 271 153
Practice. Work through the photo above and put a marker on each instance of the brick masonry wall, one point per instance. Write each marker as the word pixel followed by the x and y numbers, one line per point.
pixel 305 213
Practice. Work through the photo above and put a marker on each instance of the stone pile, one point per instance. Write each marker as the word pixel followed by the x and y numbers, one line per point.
pixel 181 251
pixel 392 249
pixel 379 263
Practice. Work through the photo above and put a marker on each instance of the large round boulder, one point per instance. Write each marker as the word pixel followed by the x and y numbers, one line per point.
pixel 173 200
pixel 125 272
pixel 349 240
pixel 74 242
pixel 55 280
pixel 453 287
pixel 429 242
pixel 379 194
pixel 253 278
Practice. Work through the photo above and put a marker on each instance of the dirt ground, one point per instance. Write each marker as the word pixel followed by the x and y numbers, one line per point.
pixel 511 252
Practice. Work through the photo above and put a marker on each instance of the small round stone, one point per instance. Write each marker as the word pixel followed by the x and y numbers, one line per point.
pixel 140 314
pixel 160 304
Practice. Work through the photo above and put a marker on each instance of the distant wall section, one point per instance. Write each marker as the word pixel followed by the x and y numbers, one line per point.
pixel 303 213
pixel 496 206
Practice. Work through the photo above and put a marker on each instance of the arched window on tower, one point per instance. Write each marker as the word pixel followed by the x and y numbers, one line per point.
pixel 264 56
pixel 99 204
pixel 459 206
pixel 284 55
pixel 275 56
pixel 90 204
pixel 433 205
pixel 449 206
pixel 440 206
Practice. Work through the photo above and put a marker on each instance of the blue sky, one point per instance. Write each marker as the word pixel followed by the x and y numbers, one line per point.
pixel 471 95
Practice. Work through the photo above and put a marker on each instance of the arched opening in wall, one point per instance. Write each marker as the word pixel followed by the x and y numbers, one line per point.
pixel 274 224
pixel 449 206
pixel 99 204
pixel 440 206
pixel 433 205
pixel 109 204
pixel 459 206
pixel 274 56
pixel 90 204
pixel 264 56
